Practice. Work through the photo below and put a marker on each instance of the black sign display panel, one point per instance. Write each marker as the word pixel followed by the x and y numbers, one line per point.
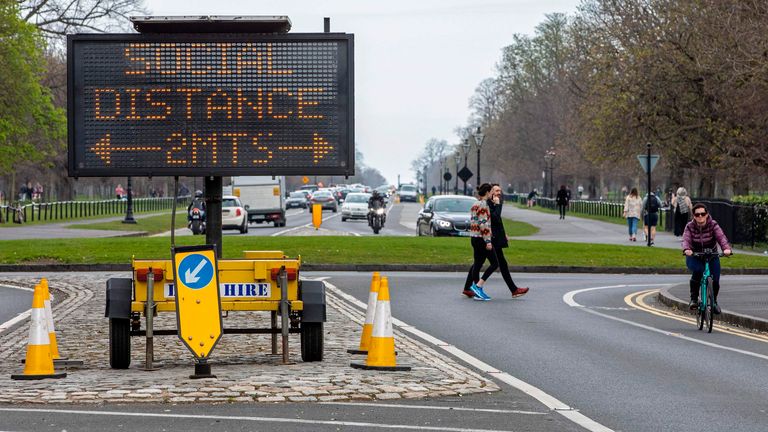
pixel 210 104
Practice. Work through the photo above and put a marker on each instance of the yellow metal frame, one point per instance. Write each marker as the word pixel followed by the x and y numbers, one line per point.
pixel 257 267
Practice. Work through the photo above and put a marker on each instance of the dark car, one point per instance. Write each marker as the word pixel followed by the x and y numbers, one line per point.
pixel 445 215
pixel 326 199
pixel 297 199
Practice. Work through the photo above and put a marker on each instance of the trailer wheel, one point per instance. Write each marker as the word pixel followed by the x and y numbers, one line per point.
pixel 119 343
pixel 311 341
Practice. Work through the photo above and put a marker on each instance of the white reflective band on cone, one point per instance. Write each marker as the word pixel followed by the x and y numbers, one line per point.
pixel 371 309
pixel 382 327
pixel 38 330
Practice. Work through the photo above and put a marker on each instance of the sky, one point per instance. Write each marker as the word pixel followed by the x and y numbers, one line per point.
pixel 417 62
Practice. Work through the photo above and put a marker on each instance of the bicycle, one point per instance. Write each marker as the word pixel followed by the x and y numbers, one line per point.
pixel 705 311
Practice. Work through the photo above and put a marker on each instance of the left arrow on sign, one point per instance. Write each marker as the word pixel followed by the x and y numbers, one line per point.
pixel 191 276
pixel 103 148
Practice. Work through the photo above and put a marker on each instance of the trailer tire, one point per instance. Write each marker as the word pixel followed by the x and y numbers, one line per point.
pixel 312 341
pixel 119 343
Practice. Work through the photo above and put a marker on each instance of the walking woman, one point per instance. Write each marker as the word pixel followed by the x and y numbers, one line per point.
pixel 632 210
pixel 682 205
pixel 482 247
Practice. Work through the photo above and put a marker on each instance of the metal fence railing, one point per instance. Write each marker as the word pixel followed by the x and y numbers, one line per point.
pixel 66 210
pixel 745 225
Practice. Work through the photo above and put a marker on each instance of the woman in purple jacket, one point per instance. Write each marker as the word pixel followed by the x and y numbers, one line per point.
pixel 701 233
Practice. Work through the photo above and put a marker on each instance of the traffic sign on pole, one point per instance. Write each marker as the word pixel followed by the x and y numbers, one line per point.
pixel 198 302
pixel 644 161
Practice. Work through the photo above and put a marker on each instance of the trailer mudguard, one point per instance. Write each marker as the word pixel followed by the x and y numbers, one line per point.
pixel 312 293
pixel 119 298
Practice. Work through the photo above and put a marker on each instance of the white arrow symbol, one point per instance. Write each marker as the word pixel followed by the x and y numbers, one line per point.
pixel 191 277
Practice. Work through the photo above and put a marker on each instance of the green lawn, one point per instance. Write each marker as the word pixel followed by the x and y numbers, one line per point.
pixel 150 224
pixel 357 250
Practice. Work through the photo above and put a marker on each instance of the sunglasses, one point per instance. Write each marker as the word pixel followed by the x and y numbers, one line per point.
pixel 700 214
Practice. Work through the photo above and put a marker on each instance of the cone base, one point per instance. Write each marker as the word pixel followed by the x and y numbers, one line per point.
pixel 381 368
pixel 54 375
pixel 357 351
pixel 61 362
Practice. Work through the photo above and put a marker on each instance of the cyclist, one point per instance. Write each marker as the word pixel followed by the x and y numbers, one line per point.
pixel 701 233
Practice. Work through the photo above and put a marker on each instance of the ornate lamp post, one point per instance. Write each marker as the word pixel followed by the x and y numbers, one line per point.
pixel 129 207
pixel 426 190
pixel 465 147
pixel 456 158
pixel 549 159
pixel 418 181
pixel 479 137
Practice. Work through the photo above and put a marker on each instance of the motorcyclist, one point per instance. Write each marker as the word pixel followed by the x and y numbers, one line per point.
pixel 197 202
pixel 376 201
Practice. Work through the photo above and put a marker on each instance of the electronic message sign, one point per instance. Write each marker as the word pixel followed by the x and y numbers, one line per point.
pixel 210 104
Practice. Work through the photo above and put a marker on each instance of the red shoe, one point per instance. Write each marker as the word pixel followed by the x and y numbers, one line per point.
pixel 520 291
pixel 468 293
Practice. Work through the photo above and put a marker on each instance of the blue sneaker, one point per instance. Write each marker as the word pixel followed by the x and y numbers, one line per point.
pixel 479 293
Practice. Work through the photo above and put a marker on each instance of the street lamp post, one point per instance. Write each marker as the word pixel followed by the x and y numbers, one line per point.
pixel 465 147
pixel 456 158
pixel 479 137
pixel 129 205
pixel 426 190
pixel 549 158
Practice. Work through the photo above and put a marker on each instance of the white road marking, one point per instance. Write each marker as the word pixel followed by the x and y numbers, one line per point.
pixel 302 226
pixel 440 408
pixel 245 418
pixel 568 299
pixel 20 317
pixel 549 401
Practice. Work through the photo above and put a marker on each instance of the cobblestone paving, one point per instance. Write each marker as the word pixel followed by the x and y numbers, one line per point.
pixel 245 370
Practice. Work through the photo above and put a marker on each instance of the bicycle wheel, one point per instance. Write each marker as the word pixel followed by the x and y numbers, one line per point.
pixel 710 309
pixel 699 317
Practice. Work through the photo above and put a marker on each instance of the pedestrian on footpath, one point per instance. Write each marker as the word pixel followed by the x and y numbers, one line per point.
pixel 651 211
pixel 499 240
pixel 562 199
pixel 681 203
pixel 532 198
pixel 481 240
pixel 633 208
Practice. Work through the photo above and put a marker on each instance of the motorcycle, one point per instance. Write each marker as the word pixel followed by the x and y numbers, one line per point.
pixel 197 220
pixel 376 217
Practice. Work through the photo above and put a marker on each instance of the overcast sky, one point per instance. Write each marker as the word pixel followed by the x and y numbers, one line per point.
pixel 417 62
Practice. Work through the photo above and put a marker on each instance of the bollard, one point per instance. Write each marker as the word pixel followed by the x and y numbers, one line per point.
pixel 149 313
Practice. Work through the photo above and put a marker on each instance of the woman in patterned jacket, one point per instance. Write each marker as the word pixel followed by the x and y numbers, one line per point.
pixel 480 233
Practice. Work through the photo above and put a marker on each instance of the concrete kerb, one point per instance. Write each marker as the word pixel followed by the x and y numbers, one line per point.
pixel 40 268
pixel 745 321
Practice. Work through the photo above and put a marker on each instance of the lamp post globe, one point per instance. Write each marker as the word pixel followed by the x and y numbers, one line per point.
pixel 479 137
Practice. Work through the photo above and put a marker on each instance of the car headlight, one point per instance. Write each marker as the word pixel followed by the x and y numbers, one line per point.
pixel 443 224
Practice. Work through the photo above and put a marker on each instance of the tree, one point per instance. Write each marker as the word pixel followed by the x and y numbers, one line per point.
pixel 57 18
pixel 31 128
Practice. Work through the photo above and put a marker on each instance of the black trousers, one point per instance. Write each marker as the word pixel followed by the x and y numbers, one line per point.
pixel 562 208
pixel 503 268
pixel 480 255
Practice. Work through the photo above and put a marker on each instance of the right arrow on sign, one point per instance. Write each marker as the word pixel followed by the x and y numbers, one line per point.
pixel 644 161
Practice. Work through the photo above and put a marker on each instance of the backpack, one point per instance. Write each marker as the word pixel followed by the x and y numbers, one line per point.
pixel 654 204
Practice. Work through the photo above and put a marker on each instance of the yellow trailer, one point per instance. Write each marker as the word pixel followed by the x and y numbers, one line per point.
pixel 261 281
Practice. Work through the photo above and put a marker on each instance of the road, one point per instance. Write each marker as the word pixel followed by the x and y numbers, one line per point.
pixel 576 338
pixel 598 344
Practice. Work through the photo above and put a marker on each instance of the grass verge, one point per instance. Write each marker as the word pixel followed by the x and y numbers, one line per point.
pixel 358 250
pixel 149 224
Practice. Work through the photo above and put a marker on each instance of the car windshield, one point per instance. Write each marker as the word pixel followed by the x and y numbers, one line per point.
pixel 408 189
pixel 357 198
pixel 297 195
pixel 229 202
pixel 458 205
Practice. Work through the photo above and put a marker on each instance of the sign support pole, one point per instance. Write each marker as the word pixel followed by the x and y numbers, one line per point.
pixel 213 193
pixel 648 202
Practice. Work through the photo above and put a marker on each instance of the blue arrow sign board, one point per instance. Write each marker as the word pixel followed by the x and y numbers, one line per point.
pixel 198 301
pixel 196 271
pixel 644 161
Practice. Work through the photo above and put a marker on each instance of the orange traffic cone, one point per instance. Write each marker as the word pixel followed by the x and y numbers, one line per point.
pixel 365 338
pixel 381 353
pixel 49 320
pixel 39 363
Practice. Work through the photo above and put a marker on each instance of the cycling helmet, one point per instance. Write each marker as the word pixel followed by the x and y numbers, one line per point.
pixel 198 194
